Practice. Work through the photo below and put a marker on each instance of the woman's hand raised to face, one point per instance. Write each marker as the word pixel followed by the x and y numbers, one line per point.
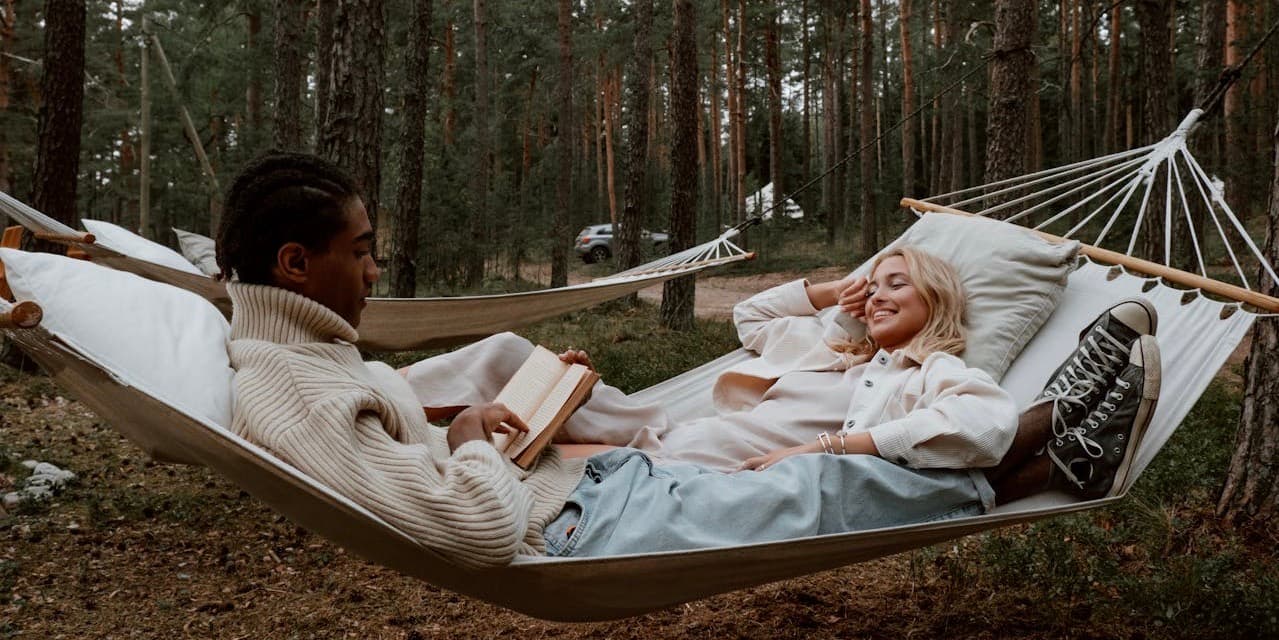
pixel 852 298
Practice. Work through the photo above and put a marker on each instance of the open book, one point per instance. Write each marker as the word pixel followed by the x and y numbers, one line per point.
pixel 545 391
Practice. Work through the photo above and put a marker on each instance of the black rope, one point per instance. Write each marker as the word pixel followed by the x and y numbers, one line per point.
pixel 1230 75
pixel 778 201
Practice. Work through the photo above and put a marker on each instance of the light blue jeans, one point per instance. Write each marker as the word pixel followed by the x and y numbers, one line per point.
pixel 625 504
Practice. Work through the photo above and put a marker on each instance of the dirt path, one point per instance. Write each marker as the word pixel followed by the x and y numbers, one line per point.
pixel 716 294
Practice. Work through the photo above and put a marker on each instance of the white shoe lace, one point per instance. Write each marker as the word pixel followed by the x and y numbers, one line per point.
pixel 1094 361
pixel 1079 433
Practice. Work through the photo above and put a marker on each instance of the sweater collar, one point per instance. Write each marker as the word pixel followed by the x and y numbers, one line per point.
pixel 272 314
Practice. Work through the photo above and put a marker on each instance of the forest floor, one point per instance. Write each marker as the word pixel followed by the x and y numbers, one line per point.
pixel 136 549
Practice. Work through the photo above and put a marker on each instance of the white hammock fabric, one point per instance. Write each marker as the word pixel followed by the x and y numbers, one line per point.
pixel 401 324
pixel 1194 342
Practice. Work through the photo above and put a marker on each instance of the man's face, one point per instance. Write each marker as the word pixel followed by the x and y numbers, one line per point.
pixel 342 277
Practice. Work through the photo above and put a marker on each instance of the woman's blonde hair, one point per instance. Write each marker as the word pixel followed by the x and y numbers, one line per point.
pixel 939 287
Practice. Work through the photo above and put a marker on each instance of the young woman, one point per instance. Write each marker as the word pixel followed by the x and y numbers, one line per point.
pixel 893 387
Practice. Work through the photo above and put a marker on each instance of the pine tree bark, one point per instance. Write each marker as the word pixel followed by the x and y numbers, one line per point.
pixel 448 85
pixel 253 93
pixel 869 230
pixel 477 250
pixel 806 54
pixel 407 218
pixel 1232 111
pixel 638 106
pixel 61 113
pixel 563 148
pixel 1114 92
pixel 353 131
pixel 290 73
pixel 8 18
pixel 1010 90
pixel 607 107
pixel 323 65
pixel 773 62
pixel 908 101
pixel 1251 492
pixel 678 294
pixel 1156 112
pixel 739 114
pixel 716 141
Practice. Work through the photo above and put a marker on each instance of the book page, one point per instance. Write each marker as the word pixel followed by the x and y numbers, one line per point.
pixel 552 405
pixel 527 390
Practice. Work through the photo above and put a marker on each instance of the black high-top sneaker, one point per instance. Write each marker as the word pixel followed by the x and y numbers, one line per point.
pixel 1078 384
pixel 1095 455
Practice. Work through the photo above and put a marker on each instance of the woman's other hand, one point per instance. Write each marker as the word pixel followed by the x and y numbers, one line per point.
pixel 760 463
pixel 577 356
pixel 481 421
pixel 852 298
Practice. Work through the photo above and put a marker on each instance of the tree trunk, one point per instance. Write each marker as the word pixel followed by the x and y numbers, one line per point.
pixel 1114 92
pixel 560 231
pixel 1010 89
pixel 678 294
pixel 448 85
pixel 1210 45
pixel 1252 484
pixel 1232 112
pixel 869 230
pixel 253 92
pixel 290 73
pixel 353 132
pixel 908 102
pixel 1075 133
pixel 716 141
pixel 124 174
pixel 323 65
pixel 61 113
pixel 483 149
pixel 773 61
pixel 8 18
pixel 739 60
pixel 1156 114
pixel 610 98
pixel 638 104
pixel 408 191
pixel 806 54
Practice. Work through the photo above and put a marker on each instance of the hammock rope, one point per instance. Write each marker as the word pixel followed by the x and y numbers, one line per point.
pixel 1125 181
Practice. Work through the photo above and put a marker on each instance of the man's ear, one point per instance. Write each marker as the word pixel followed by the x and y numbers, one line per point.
pixel 291 263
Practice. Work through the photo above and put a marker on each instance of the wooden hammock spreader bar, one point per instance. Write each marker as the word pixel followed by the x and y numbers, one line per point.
pixel 66 238
pixel 24 315
pixel 1236 293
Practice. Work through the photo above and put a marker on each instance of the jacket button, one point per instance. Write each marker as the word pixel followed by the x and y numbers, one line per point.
pixel 869 383
pixel 883 360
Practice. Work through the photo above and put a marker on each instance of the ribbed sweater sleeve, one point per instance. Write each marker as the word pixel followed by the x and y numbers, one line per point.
pixel 314 404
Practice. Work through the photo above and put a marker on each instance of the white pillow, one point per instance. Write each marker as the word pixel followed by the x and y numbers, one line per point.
pixel 166 341
pixel 200 250
pixel 133 245
pixel 1014 280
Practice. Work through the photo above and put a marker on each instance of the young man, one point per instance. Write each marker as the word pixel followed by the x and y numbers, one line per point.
pixel 297 244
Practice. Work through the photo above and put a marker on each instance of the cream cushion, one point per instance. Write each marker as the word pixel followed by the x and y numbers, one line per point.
pixel 1014 280
pixel 168 342
pixel 199 250
pixel 119 239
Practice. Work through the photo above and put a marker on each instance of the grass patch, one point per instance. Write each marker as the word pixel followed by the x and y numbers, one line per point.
pixel 1161 557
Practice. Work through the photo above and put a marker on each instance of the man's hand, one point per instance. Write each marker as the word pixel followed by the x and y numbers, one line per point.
pixel 481 421
pixel 760 463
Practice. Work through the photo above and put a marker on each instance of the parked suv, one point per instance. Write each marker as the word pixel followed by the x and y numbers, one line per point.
pixel 595 243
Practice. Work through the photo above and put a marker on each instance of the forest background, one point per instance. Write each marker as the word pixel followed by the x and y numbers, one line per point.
pixel 486 133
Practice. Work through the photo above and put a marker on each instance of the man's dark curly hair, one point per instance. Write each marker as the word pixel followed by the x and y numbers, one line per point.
pixel 280 198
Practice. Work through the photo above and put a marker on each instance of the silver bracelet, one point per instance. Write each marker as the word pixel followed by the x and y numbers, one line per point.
pixel 823 439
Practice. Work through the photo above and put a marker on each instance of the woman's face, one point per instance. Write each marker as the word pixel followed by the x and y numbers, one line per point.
pixel 894 311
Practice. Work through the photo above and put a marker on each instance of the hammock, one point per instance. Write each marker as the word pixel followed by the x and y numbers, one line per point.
pixel 401 324
pixel 1197 335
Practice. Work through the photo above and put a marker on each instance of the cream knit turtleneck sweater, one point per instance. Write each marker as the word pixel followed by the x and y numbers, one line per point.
pixel 303 393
